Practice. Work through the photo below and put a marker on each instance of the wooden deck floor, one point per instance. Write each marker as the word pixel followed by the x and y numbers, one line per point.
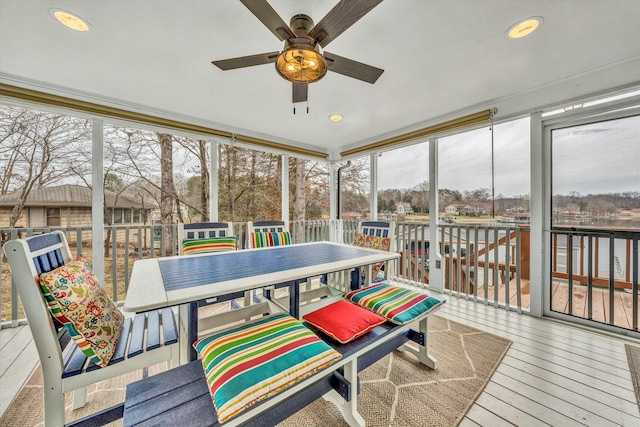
pixel 553 374
pixel 623 301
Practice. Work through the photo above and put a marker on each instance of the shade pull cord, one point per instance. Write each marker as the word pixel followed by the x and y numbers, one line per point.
pixel 493 188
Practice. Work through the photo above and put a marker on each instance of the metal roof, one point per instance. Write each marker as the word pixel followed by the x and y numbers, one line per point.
pixel 72 196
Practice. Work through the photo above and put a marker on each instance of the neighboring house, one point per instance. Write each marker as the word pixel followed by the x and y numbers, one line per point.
pixel 452 209
pixel 404 209
pixel 70 206
pixel 471 211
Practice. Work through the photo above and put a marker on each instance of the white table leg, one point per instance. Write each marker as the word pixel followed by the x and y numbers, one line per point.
pixel 422 352
pixel 183 325
pixel 349 410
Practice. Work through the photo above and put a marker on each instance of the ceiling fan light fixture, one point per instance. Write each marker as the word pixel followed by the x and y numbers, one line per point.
pixel 70 20
pixel 524 27
pixel 301 64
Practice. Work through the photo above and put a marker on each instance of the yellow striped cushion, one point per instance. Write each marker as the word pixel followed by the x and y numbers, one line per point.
pixel 209 244
pixel 399 305
pixel 251 362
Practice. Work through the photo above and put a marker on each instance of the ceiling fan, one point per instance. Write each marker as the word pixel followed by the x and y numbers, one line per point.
pixel 302 61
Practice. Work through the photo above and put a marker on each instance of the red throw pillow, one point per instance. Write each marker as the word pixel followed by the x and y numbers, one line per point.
pixel 343 321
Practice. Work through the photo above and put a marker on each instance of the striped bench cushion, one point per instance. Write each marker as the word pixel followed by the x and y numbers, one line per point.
pixel 270 238
pixel 209 244
pixel 248 363
pixel 399 305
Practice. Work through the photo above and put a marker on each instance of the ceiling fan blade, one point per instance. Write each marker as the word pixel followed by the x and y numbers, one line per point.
pixel 270 18
pixel 300 92
pixel 349 67
pixel 246 61
pixel 342 16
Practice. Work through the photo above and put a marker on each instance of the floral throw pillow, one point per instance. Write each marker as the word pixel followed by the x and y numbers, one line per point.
pixel 76 299
pixel 373 242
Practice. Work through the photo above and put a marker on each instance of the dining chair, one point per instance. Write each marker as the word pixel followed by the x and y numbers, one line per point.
pixel 267 233
pixel 210 237
pixel 56 291
pixel 374 235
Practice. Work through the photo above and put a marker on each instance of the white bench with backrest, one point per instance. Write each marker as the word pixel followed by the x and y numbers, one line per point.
pixel 146 339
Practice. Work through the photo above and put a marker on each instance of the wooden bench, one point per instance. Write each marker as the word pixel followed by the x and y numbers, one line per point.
pixel 180 396
pixel 146 339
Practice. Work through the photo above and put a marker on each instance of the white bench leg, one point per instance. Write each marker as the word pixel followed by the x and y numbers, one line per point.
pixel 79 397
pixel 349 410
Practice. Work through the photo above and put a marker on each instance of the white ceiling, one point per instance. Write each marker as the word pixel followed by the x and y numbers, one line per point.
pixel 441 58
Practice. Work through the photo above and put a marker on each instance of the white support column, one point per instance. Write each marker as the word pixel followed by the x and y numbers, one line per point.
pixel 436 267
pixel 540 212
pixel 213 181
pixel 285 188
pixel 97 198
pixel 373 186
pixel 334 236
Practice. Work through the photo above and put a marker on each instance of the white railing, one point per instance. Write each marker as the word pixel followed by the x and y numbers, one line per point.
pixel 486 262
pixel 594 275
pixel 462 265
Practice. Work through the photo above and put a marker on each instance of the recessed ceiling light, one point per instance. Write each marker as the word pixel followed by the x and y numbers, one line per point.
pixel 573 107
pixel 524 27
pixel 70 20
pixel 335 117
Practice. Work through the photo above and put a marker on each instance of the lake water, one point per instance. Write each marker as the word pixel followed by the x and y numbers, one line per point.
pixel 625 222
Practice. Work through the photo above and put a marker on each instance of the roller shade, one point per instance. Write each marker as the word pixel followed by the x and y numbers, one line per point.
pixel 104 111
pixel 461 122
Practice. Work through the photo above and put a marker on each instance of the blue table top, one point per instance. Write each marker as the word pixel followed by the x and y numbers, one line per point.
pixel 186 272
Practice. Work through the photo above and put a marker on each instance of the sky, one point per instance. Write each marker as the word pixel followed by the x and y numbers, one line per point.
pixel 609 158
pixel 589 159
pixel 465 161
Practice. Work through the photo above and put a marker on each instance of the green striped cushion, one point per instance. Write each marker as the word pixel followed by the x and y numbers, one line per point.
pixel 251 362
pixel 209 244
pixel 270 238
pixel 399 305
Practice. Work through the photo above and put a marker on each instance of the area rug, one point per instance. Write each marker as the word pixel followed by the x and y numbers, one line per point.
pixel 633 358
pixel 395 391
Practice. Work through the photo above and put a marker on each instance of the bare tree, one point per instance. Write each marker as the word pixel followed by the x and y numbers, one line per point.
pixel 250 183
pixel 38 148
pixel 300 195
pixel 168 190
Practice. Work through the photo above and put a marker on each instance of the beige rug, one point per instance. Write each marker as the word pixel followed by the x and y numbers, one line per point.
pixel 395 391
pixel 633 358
